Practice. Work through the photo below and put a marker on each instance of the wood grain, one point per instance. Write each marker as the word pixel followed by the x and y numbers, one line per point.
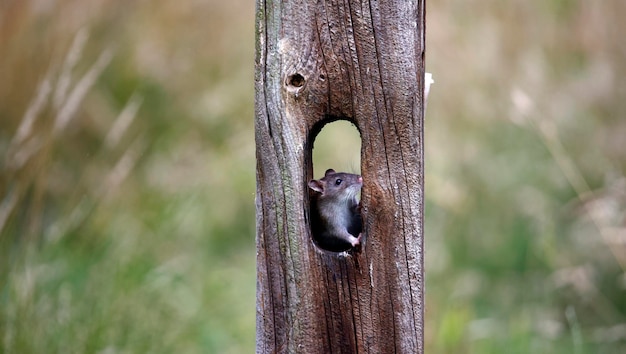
pixel 319 61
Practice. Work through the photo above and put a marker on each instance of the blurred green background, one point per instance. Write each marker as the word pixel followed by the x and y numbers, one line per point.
pixel 128 163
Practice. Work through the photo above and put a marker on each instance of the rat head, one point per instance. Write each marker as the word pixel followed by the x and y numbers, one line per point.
pixel 337 186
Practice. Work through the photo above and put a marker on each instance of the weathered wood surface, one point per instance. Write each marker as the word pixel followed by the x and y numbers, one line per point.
pixel 318 61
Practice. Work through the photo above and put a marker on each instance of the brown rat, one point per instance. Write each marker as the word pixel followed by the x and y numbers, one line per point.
pixel 335 215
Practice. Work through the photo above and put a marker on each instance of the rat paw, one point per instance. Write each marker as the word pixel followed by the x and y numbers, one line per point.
pixel 356 243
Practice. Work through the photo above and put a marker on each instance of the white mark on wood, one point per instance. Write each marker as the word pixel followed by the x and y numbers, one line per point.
pixel 428 80
pixel 284 46
pixel 371 275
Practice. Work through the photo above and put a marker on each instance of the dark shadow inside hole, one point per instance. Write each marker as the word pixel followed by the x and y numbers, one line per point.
pixel 296 80
pixel 335 216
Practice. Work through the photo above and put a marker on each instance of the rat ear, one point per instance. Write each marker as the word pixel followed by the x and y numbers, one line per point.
pixel 316 186
pixel 329 171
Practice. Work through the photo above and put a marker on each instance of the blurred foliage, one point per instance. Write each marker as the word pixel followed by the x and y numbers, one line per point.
pixel 525 165
pixel 127 151
pixel 127 145
pixel 337 146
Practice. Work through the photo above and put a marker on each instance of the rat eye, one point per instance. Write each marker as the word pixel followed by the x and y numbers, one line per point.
pixel 338 181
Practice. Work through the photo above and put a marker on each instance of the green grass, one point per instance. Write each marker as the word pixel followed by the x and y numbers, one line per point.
pixel 121 296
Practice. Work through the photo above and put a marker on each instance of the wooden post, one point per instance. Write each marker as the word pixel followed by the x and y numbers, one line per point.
pixel 318 61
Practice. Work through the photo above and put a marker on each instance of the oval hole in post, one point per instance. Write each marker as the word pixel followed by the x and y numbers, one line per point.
pixel 335 190
pixel 337 146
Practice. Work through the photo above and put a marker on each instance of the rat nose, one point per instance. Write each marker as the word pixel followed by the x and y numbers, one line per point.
pixel 360 179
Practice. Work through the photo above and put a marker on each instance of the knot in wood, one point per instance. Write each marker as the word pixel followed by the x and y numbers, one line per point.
pixel 295 83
